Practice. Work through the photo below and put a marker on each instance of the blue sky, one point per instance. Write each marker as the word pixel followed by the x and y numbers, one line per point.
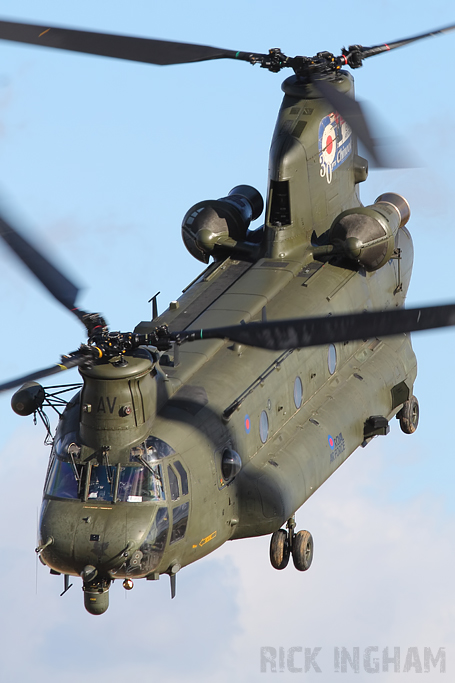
pixel 99 161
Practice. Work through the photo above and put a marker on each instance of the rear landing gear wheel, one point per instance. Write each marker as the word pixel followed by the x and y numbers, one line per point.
pixel 409 416
pixel 279 549
pixel 302 550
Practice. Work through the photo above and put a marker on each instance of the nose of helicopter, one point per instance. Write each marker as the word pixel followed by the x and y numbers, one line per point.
pixel 105 537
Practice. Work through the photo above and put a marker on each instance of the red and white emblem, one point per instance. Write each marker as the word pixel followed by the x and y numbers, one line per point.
pixel 335 143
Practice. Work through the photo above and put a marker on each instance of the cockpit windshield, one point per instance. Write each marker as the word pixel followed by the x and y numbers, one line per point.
pixel 101 484
pixel 99 481
pixel 140 484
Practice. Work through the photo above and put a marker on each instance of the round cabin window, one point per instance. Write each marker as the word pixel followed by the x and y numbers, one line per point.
pixel 264 426
pixel 332 359
pixel 298 392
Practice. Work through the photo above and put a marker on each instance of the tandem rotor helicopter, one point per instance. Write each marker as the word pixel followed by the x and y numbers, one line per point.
pixel 300 347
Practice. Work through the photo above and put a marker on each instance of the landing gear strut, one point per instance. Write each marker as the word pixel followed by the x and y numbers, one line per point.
pixel 284 543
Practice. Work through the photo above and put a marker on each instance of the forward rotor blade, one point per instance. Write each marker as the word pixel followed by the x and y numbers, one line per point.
pixel 55 282
pixel 385 47
pixel 73 360
pixel 135 49
pixel 299 333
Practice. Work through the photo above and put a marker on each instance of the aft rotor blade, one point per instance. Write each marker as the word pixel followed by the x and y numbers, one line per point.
pixel 135 49
pixel 385 47
pixel 73 360
pixel 299 333
pixel 53 279
pixel 353 114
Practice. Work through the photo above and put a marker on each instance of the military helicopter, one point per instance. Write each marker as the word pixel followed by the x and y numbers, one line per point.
pixel 301 350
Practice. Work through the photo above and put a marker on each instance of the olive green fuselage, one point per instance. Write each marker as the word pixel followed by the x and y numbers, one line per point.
pixel 293 417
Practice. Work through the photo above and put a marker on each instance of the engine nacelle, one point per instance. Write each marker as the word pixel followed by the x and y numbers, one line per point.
pixel 221 223
pixel 367 234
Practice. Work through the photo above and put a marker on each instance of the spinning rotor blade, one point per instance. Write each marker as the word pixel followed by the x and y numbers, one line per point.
pixel 293 334
pixel 277 335
pixel 74 359
pixel 163 52
pixel 55 282
pixel 50 276
pixel 384 152
pixel 352 113
pixel 135 49
pixel 385 47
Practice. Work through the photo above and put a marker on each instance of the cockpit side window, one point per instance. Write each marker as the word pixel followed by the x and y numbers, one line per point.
pixel 183 476
pixel 173 483
pixel 61 481
pixel 153 547
pixel 179 522
pixel 65 471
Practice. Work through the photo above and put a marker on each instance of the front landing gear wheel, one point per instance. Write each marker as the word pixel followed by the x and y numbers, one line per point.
pixel 279 549
pixel 302 550
pixel 409 416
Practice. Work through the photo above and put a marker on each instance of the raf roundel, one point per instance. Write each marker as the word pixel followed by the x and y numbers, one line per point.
pixel 328 143
pixel 331 442
pixel 247 424
pixel 335 144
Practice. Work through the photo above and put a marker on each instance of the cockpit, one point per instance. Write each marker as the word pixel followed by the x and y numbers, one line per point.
pixel 108 538
pixel 138 480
